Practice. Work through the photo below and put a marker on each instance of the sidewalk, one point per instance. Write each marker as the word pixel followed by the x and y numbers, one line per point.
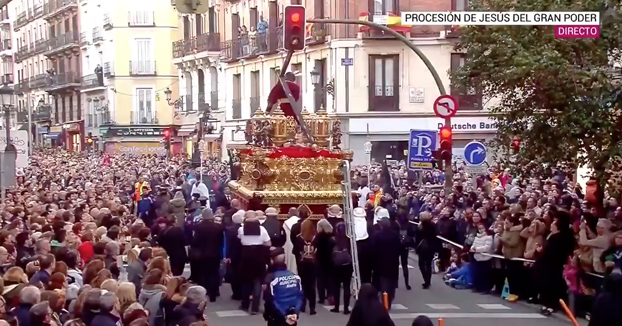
pixel 558 315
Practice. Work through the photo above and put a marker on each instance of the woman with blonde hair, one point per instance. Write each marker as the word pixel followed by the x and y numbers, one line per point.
pixel 14 281
pixel 126 293
pixel 161 264
pixel 110 285
pixel 305 246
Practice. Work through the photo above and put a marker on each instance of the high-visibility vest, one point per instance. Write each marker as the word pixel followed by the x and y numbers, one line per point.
pixel 139 186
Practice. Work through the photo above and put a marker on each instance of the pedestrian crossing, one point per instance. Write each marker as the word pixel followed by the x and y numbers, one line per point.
pixel 438 310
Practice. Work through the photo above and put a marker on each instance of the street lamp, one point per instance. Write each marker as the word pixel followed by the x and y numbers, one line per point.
pixel 9 157
pixel 317 89
pixel 178 103
pixel 201 150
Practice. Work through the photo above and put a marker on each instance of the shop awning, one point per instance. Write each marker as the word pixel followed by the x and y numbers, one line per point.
pixel 185 131
pixel 393 21
pixel 52 135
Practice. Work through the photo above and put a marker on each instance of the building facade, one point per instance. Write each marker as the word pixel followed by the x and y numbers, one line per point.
pixel 376 85
pixel 6 55
pixel 29 40
pixel 129 43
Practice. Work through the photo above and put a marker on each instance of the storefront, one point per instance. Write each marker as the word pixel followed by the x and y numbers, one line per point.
pixel 74 135
pixel 54 137
pixel 389 136
pixel 138 140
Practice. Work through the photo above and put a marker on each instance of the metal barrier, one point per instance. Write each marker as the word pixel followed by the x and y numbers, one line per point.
pixel 496 256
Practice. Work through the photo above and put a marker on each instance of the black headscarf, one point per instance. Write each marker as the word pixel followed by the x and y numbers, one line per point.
pixel 368 310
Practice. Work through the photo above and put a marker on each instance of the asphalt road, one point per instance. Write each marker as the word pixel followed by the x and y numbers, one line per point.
pixel 456 307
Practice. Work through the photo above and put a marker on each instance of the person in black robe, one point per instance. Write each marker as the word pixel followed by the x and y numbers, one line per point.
pixel 387 252
pixel 206 246
pixel 234 255
pixel 172 239
pixel 368 310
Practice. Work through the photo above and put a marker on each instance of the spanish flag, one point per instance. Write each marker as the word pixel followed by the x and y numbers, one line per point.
pixel 393 21
pixel 309 31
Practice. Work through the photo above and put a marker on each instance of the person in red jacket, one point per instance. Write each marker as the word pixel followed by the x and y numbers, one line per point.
pixel 277 96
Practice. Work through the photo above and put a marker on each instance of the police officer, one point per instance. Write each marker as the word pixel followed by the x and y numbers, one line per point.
pixel 282 292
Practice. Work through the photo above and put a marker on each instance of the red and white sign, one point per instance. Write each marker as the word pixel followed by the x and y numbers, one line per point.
pixel 445 106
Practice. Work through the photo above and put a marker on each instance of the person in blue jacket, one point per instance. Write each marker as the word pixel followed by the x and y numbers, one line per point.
pixel 282 292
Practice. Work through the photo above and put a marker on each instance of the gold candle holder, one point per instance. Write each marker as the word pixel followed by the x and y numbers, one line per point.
pixel 321 126
pixel 279 127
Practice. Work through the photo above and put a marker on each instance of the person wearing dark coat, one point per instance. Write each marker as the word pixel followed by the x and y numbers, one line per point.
pixel 178 206
pixel 234 254
pixel 206 246
pixel 387 258
pixel 368 310
pixel 406 231
pixel 324 242
pixel 172 239
pixel 425 246
pixel 606 309
pixel 275 229
pixel 448 229
pixel 554 254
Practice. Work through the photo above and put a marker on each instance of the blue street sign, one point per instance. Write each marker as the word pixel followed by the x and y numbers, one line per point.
pixel 420 146
pixel 475 153
pixel 347 61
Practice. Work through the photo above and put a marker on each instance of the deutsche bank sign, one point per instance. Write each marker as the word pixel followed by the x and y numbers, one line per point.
pixel 420 146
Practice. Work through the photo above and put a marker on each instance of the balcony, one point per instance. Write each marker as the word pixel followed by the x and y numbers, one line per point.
pixel 22 86
pixel 38 81
pixel 317 35
pixel 5 45
pixel 245 47
pixel 207 42
pixel 22 53
pixel 237 109
pixel 64 42
pixel 37 12
pixel 107 22
pixel 62 81
pixel 84 39
pixel 97 35
pixel 108 69
pixel 142 68
pixel 41 45
pixel 54 8
pixel 140 18
pixel 91 81
pixel 42 113
pixel 21 21
pixel 143 118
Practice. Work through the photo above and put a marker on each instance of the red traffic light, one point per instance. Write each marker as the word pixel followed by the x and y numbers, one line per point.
pixel 294 28
pixel 445 133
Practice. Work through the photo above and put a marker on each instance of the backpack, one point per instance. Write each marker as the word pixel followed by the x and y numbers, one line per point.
pixel 159 319
pixel 341 256
pixel 308 251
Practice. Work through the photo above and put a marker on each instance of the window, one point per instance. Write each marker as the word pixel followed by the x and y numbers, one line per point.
pixel 186 23
pixel 470 98
pixel 198 20
pixel 384 82
pixel 384 7
pixel 255 91
pixel 213 20
pixel 297 70
pixel 142 57
pixel 141 18
pixel 144 113
pixel 87 63
pixel 90 116
pixel 237 97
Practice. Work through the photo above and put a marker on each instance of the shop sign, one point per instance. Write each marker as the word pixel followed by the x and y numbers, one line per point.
pixel 481 125
pixel 57 129
pixel 134 132
pixel 72 127
pixel 140 148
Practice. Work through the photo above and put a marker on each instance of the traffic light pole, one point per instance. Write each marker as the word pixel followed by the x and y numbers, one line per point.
pixel 420 54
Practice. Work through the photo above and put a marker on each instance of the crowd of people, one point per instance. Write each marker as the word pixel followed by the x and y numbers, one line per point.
pixel 104 239
pixel 535 239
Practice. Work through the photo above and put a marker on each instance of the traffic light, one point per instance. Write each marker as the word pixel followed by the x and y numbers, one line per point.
pixel 191 6
pixel 516 145
pixel 294 30
pixel 89 139
pixel 445 134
